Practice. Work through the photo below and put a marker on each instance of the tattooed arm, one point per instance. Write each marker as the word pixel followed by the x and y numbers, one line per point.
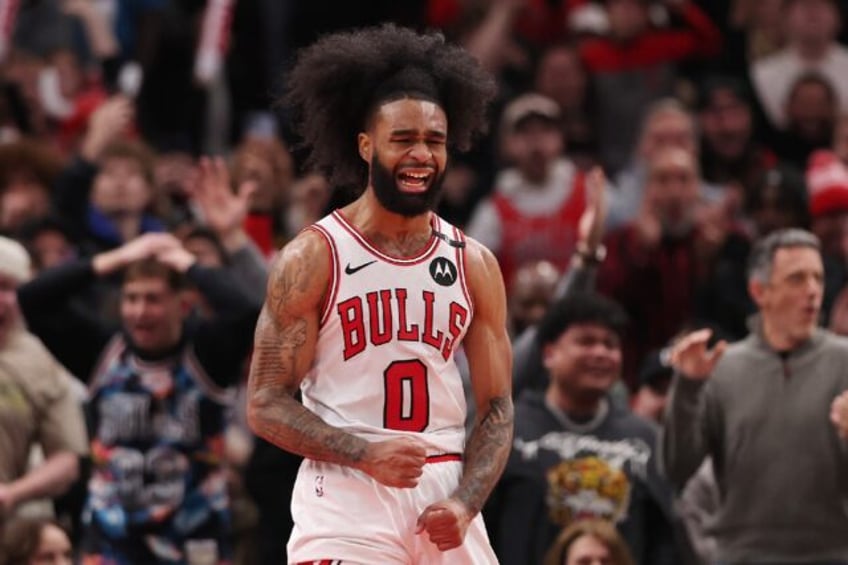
pixel 284 349
pixel 490 361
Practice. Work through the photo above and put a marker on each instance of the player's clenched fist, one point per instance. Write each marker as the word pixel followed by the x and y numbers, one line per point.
pixel 445 523
pixel 396 463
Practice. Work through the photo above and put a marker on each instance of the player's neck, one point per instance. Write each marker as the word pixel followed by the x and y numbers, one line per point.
pixel 392 233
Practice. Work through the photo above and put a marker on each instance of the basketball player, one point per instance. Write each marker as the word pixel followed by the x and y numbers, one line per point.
pixel 366 309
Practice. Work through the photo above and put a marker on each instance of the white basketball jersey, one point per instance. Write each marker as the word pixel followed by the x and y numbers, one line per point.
pixel 384 359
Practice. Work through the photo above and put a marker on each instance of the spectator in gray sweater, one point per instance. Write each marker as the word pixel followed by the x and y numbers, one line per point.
pixel 765 409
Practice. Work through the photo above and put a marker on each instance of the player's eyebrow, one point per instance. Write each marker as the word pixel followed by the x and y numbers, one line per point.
pixel 439 134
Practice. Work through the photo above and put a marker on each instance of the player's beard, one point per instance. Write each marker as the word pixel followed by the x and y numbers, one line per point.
pixel 404 203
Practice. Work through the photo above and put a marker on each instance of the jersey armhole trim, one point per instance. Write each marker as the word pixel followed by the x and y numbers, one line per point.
pixel 460 261
pixel 333 288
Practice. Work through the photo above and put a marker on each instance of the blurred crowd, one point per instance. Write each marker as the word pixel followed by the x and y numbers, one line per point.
pixel 148 175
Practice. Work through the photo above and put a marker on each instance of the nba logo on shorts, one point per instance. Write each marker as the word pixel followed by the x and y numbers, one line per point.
pixel 319 485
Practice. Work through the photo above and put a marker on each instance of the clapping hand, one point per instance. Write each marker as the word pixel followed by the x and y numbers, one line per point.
pixel 106 124
pixel 223 210
pixel 590 229
pixel 691 357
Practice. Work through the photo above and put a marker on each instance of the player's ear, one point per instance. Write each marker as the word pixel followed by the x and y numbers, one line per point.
pixel 365 147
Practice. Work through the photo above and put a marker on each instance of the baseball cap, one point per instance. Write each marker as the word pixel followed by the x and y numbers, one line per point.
pixel 526 106
pixel 14 260
pixel 827 183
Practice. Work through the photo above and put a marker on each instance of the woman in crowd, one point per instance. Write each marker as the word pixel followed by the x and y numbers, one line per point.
pixel 35 541
pixel 589 542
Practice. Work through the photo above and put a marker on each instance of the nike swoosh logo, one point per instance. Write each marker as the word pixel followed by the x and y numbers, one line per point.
pixel 350 270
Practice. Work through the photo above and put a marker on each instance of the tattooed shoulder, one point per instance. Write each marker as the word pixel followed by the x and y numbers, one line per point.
pixel 299 277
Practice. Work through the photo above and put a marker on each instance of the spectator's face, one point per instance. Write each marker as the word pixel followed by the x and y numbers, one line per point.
pixel 51 248
pixel 268 196
pixel 561 77
pixel 406 148
pixel 71 79
pixel 23 199
pixel 120 187
pixel 726 125
pixel 152 313
pixel 533 146
pixel 588 550
pixel 811 113
pixel 672 189
pixel 772 214
pixel 812 21
pixel 628 18
pixel 174 174
pixel 768 15
pixel 309 198
pixel 667 130
pixel 54 548
pixel 532 291
pixel 792 297
pixel 8 305
pixel 585 361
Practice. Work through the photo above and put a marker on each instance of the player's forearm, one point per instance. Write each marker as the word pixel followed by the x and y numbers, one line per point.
pixel 280 419
pixel 486 454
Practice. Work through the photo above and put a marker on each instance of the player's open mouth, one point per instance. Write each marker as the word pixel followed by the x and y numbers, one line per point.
pixel 414 180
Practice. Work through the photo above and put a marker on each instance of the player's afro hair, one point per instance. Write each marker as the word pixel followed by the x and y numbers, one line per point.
pixel 339 81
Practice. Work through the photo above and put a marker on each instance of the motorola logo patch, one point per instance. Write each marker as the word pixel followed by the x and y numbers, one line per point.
pixel 443 271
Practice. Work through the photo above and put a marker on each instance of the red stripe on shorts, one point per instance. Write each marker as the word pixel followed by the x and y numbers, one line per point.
pixel 444 457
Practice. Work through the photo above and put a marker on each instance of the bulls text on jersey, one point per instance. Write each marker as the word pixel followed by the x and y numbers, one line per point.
pixel 372 321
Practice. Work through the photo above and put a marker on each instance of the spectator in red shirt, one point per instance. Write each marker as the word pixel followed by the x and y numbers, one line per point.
pixel 536 203
pixel 655 263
